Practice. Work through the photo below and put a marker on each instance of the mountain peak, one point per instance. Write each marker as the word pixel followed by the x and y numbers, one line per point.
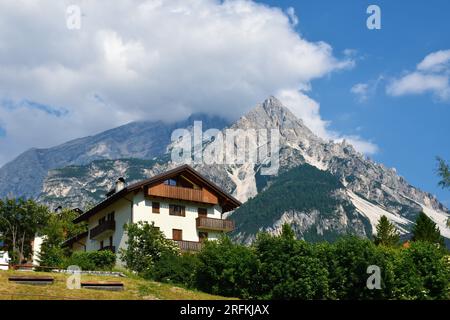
pixel 272 101
pixel 272 114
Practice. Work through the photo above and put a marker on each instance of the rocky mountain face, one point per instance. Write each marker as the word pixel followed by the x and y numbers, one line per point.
pixel 24 176
pixel 370 188
pixel 323 189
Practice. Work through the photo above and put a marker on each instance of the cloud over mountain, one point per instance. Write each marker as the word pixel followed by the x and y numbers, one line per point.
pixel 134 60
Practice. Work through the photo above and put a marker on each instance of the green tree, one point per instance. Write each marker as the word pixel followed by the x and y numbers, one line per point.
pixel 227 269
pixel 20 220
pixel 145 246
pixel 176 269
pixel 347 263
pixel 387 234
pixel 421 272
pixel 58 229
pixel 426 230
pixel 444 172
pixel 290 268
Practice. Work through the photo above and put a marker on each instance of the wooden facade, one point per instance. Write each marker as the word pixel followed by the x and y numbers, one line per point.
pixel 181 193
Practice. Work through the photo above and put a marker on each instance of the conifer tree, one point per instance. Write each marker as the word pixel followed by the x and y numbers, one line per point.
pixel 426 230
pixel 387 233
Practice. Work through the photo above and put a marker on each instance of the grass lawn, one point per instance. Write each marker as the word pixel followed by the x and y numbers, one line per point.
pixel 135 289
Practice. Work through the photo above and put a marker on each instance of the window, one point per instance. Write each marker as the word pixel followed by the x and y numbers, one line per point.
pixel 202 236
pixel 111 241
pixel 101 220
pixel 177 234
pixel 110 216
pixel 155 207
pixel 176 210
pixel 171 182
pixel 202 212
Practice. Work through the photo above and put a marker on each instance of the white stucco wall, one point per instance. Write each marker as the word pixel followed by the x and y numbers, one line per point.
pixel 122 216
pixel 4 259
pixel 166 222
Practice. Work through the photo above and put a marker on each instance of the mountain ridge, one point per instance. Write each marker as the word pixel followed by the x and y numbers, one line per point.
pixel 366 189
pixel 24 175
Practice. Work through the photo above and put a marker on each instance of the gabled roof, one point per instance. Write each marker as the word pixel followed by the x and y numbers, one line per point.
pixel 229 202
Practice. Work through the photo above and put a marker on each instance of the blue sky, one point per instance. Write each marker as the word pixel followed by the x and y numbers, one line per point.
pixel 126 63
pixel 409 130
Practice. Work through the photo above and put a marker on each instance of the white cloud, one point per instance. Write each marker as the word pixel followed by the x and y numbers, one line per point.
pixel 431 76
pixel 134 60
pixel 418 83
pixel 364 91
pixel 309 111
pixel 436 61
pixel 361 91
pixel 291 14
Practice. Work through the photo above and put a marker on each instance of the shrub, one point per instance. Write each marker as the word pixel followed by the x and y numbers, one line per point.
pixel 92 260
pixel 52 257
pixel 348 261
pixel 227 269
pixel 176 269
pixel 422 272
pixel 289 268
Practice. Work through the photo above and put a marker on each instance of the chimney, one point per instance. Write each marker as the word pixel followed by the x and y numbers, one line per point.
pixel 120 184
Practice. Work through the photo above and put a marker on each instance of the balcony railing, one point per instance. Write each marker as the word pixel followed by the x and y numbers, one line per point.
pixel 108 225
pixel 215 224
pixel 181 193
pixel 110 248
pixel 189 245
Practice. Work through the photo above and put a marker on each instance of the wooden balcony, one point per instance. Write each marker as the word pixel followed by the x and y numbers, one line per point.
pixel 189 245
pixel 109 226
pixel 224 225
pixel 181 193
pixel 110 248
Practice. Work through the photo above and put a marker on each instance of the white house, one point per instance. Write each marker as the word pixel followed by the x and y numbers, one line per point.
pixel 4 260
pixel 183 204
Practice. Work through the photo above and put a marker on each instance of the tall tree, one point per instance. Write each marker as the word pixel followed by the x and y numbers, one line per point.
pixel 58 229
pixel 19 221
pixel 426 230
pixel 444 172
pixel 387 233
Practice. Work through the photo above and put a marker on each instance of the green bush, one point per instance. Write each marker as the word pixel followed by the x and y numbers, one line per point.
pixel 347 262
pixel 423 272
pixel 289 268
pixel 92 260
pixel 52 257
pixel 175 269
pixel 282 267
pixel 227 269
